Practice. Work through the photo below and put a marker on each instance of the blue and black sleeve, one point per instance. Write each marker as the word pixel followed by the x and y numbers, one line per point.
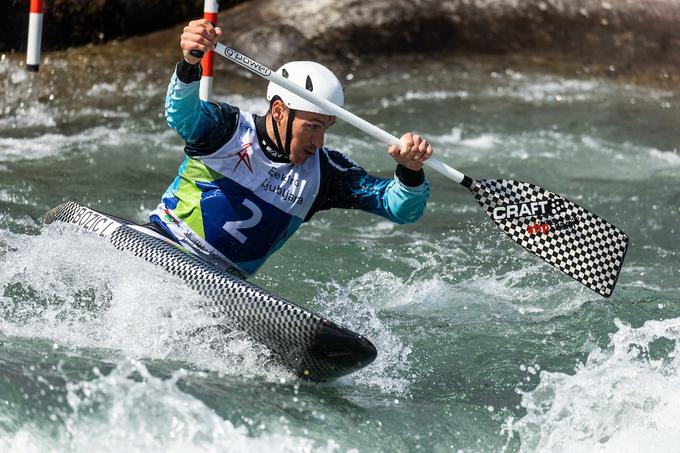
pixel 204 126
pixel 344 184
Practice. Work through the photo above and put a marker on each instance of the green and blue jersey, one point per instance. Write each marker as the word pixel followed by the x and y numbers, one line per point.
pixel 234 203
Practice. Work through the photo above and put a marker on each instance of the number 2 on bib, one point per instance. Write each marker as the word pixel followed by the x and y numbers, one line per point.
pixel 233 226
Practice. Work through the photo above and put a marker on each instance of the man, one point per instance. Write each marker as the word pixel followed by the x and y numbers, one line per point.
pixel 248 182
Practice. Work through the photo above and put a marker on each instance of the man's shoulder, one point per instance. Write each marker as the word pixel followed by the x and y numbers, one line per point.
pixel 228 122
pixel 338 161
pixel 231 113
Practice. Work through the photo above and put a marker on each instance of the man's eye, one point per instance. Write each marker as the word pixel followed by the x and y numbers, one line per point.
pixel 313 127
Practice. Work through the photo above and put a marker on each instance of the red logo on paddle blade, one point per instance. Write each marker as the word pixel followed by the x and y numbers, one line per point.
pixel 244 157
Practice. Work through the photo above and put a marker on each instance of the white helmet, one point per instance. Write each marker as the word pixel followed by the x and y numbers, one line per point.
pixel 316 78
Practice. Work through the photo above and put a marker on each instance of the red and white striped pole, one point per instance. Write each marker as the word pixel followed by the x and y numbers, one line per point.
pixel 210 10
pixel 35 23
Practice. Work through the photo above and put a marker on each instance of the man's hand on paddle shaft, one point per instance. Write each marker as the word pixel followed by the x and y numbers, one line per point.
pixel 200 35
pixel 413 153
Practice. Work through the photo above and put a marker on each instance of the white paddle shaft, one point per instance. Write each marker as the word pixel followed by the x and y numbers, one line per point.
pixel 337 111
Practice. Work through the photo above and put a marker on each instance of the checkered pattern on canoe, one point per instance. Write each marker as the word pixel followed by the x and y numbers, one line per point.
pixel 285 328
pixel 579 243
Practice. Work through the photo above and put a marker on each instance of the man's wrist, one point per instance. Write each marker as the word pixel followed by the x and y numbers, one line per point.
pixel 187 72
pixel 408 177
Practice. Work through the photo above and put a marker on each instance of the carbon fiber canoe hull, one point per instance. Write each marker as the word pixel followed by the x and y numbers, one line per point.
pixel 306 343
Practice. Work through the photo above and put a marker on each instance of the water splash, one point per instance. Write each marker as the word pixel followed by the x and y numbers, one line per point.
pixel 353 305
pixel 625 398
pixel 131 410
pixel 76 289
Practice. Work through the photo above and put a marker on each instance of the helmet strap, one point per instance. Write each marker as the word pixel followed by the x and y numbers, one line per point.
pixel 285 149
pixel 277 136
pixel 289 131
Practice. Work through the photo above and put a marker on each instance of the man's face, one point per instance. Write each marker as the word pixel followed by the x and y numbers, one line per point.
pixel 307 133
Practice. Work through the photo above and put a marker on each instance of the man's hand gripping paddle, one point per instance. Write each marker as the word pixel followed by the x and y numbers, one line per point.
pixel 565 235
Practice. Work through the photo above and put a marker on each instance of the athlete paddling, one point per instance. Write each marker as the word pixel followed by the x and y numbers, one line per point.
pixel 248 182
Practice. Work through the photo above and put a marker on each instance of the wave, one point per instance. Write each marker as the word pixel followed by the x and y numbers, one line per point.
pixel 129 409
pixel 77 290
pixel 624 398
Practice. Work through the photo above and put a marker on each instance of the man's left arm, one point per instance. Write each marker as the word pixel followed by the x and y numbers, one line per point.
pixel 400 199
pixel 407 196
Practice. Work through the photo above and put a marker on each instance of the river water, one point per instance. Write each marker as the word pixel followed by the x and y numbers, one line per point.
pixel 482 347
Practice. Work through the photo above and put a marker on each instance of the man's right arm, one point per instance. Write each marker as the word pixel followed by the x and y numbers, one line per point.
pixel 204 126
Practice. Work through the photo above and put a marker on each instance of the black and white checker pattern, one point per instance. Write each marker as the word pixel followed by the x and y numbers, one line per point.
pixel 579 243
pixel 292 333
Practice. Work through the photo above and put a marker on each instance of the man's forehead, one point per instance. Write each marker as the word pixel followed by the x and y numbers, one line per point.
pixel 317 117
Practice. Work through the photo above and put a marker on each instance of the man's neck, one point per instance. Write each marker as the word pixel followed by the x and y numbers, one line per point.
pixel 265 136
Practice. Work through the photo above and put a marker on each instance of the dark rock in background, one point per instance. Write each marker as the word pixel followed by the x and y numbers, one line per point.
pixel 618 32
pixel 76 22
pixel 626 34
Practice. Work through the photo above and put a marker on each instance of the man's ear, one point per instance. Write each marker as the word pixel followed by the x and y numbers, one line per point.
pixel 278 110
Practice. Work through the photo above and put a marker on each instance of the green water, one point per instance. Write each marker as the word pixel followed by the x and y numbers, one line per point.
pixel 481 346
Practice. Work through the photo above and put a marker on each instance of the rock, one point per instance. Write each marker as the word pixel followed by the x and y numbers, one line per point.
pixel 617 32
pixel 73 22
pixel 623 33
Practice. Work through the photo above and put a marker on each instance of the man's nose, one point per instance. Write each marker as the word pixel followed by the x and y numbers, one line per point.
pixel 317 140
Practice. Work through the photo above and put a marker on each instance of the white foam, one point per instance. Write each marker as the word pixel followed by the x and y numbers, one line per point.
pixel 411 95
pixel 142 86
pixel 74 288
pixel 118 412
pixel 455 137
pixel 377 230
pixel 578 155
pixel 353 306
pixel 527 290
pixel 47 145
pixel 22 220
pixel 633 162
pixel 668 157
pixel 623 399
pixel 541 89
pixel 13 149
pixel 97 112
pixel 17 77
pixel 89 140
pixel 551 89
pixel 354 147
pixel 29 116
pixel 18 197
pixel 252 104
pixel 102 88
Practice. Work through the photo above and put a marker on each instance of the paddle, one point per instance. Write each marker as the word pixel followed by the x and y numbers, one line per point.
pixel 565 235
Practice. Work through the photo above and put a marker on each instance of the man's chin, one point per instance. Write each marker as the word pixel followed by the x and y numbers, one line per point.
pixel 301 157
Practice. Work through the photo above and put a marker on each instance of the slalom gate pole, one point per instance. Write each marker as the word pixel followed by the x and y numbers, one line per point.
pixel 35 23
pixel 210 10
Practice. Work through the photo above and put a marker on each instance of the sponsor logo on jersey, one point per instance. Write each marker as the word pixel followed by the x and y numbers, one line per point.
pixel 285 194
pixel 285 179
pixel 284 185
pixel 244 156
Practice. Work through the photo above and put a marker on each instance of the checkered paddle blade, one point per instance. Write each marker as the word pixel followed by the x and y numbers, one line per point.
pixel 565 235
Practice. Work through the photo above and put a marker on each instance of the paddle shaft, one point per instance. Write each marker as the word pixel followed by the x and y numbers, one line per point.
pixel 575 241
pixel 359 123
